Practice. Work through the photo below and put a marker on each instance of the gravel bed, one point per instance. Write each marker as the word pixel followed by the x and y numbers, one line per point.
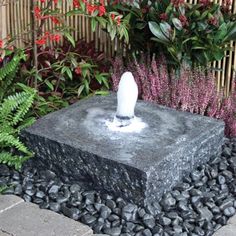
pixel 198 206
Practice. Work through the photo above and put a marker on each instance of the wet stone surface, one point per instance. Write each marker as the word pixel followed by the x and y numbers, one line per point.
pixel 76 143
pixel 194 207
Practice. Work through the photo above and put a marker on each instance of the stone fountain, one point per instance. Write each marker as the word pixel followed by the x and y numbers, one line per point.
pixel 108 148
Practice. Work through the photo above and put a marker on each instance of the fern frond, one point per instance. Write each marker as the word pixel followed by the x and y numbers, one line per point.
pixel 11 65
pixel 11 141
pixel 23 109
pixel 13 109
pixel 5 85
pixel 12 160
pixel 27 122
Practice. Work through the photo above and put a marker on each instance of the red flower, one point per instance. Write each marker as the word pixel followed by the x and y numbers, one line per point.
pixel 164 16
pixel 55 2
pixel 213 21
pixel 112 16
pixel 78 70
pixel 55 37
pixel 46 33
pixel 118 21
pixel 91 8
pixel 101 10
pixel 55 20
pixel 183 20
pixel 37 12
pixel 42 1
pixel 1 43
pixel 76 3
pixel 40 41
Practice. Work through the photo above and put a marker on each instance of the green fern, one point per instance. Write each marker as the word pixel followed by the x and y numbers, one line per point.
pixel 12 160
pixel 13 112
pixel 8 73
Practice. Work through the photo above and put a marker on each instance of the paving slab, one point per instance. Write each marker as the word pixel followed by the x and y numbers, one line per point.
pixel 229 229
pixel 27 219
pixel 9 201
pixel 4 233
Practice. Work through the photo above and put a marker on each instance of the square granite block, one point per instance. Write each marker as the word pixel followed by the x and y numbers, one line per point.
pixel 75 142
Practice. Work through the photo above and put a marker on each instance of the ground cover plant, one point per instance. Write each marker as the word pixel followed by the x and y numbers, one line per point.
pixel 187 90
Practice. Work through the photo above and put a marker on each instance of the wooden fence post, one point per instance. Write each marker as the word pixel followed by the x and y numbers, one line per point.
pixel 3 28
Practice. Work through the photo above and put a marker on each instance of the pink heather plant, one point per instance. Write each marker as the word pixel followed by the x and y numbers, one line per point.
pixel 192 91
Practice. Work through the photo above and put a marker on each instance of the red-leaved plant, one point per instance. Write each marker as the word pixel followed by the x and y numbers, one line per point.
pixel 189 90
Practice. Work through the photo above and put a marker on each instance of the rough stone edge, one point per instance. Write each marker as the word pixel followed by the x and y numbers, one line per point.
pixel 209 141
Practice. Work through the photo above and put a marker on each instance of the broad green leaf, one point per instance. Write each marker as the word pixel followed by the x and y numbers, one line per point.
pixel 70 38
pixel 49 84
pixel 177 23
pixel 101 21
pixel 69 73
pixel 166 29
pixel 113 33
pixel 80 90
pixel 155 29
pixel 231 32
pixel 221 33
pixel 218 55
pixel 94 24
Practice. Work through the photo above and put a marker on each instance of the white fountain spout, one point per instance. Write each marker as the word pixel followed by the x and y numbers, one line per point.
pixel 127 96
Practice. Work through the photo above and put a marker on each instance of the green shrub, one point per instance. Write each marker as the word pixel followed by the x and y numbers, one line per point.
pixel 194 33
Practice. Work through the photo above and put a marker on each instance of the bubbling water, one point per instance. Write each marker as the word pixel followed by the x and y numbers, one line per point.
pixel 136 126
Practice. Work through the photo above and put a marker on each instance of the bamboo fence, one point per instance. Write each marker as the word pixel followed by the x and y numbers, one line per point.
pixel 15 20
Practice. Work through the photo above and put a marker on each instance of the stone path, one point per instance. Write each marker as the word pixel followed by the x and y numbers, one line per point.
pixel 18 218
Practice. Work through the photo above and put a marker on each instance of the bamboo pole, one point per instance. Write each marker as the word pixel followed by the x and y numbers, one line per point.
pixel 3 17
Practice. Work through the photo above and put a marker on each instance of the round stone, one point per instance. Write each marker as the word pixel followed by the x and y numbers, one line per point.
pixel 149 221
pixel 196 175
pixel 116 231
pixel 230 211
pixel 40 194
pixel 54 189
pixel 54 206
pixel 72 213
pixel 110 203
pixel 75 188
pixel 165 221
pixel 105 212
pixel 18 190
pixel 88 219
pixel 147 232
pixel 4 170
pixel 168 202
